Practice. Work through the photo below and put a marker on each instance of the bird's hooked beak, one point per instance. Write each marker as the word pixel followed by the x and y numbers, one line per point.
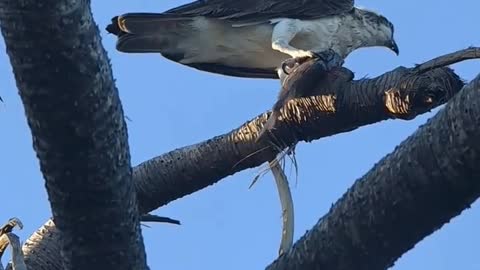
pixel 394 47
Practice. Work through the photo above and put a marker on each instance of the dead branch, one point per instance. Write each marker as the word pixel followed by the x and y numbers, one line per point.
pixel 449 59
pixel 8 228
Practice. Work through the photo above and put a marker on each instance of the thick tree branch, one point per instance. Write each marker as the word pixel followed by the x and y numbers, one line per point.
pixel 400 93
pixel 430 178
pixel 397 94
pixel 74 112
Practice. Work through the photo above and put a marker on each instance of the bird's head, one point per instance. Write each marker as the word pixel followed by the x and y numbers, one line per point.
pixel 380 30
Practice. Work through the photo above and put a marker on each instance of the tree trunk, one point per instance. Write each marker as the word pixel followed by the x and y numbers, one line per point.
pixel 79 134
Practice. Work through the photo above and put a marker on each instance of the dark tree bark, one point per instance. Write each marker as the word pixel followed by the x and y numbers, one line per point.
pixel 74 112
pixel 397 94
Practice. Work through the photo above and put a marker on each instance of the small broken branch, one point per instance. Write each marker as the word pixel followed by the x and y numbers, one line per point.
pixel 8 228
pixel 9 238
pixel 449 59
pixel 155 218
pixel 10 225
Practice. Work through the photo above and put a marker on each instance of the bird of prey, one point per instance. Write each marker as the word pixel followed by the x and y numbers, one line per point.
pixel 250 38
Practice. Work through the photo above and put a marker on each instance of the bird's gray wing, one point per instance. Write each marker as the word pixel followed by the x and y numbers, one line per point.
pixel 251 11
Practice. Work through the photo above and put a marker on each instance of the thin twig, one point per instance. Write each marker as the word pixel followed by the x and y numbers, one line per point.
pixel 155 218
pixel 449 59
pixel 8 228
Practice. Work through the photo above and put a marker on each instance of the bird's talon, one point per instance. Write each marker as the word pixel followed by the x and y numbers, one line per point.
pixel 284 64
pixel 289 64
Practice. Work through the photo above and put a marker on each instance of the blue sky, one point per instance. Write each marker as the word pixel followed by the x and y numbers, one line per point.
pixel 228 225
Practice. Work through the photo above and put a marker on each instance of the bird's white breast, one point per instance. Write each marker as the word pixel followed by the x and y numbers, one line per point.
pixel 316 35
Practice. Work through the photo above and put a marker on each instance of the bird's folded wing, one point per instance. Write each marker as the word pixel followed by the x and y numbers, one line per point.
pixel 256 11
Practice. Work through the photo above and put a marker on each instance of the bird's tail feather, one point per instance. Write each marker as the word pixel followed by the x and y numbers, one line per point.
pixel 131 43
pixel 147 23
pixel 148 32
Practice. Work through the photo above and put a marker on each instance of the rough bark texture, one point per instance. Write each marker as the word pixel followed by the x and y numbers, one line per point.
pixel 430 178
pixel 396 94
pixel 42 248
pixel 74 112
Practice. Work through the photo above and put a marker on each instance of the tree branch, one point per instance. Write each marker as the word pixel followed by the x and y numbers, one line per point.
pixel 74 112
pixel 400 93
pixel 449 59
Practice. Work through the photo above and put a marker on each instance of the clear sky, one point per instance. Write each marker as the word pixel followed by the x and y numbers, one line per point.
pixel 228 226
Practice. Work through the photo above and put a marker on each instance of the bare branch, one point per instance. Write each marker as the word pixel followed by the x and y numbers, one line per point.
pixel 155 218
pixel 8 228
pixel 449 59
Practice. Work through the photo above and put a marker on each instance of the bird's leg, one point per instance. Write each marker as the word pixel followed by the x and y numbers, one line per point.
pixel 329 57
pixel 283 32
pixel 286 68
